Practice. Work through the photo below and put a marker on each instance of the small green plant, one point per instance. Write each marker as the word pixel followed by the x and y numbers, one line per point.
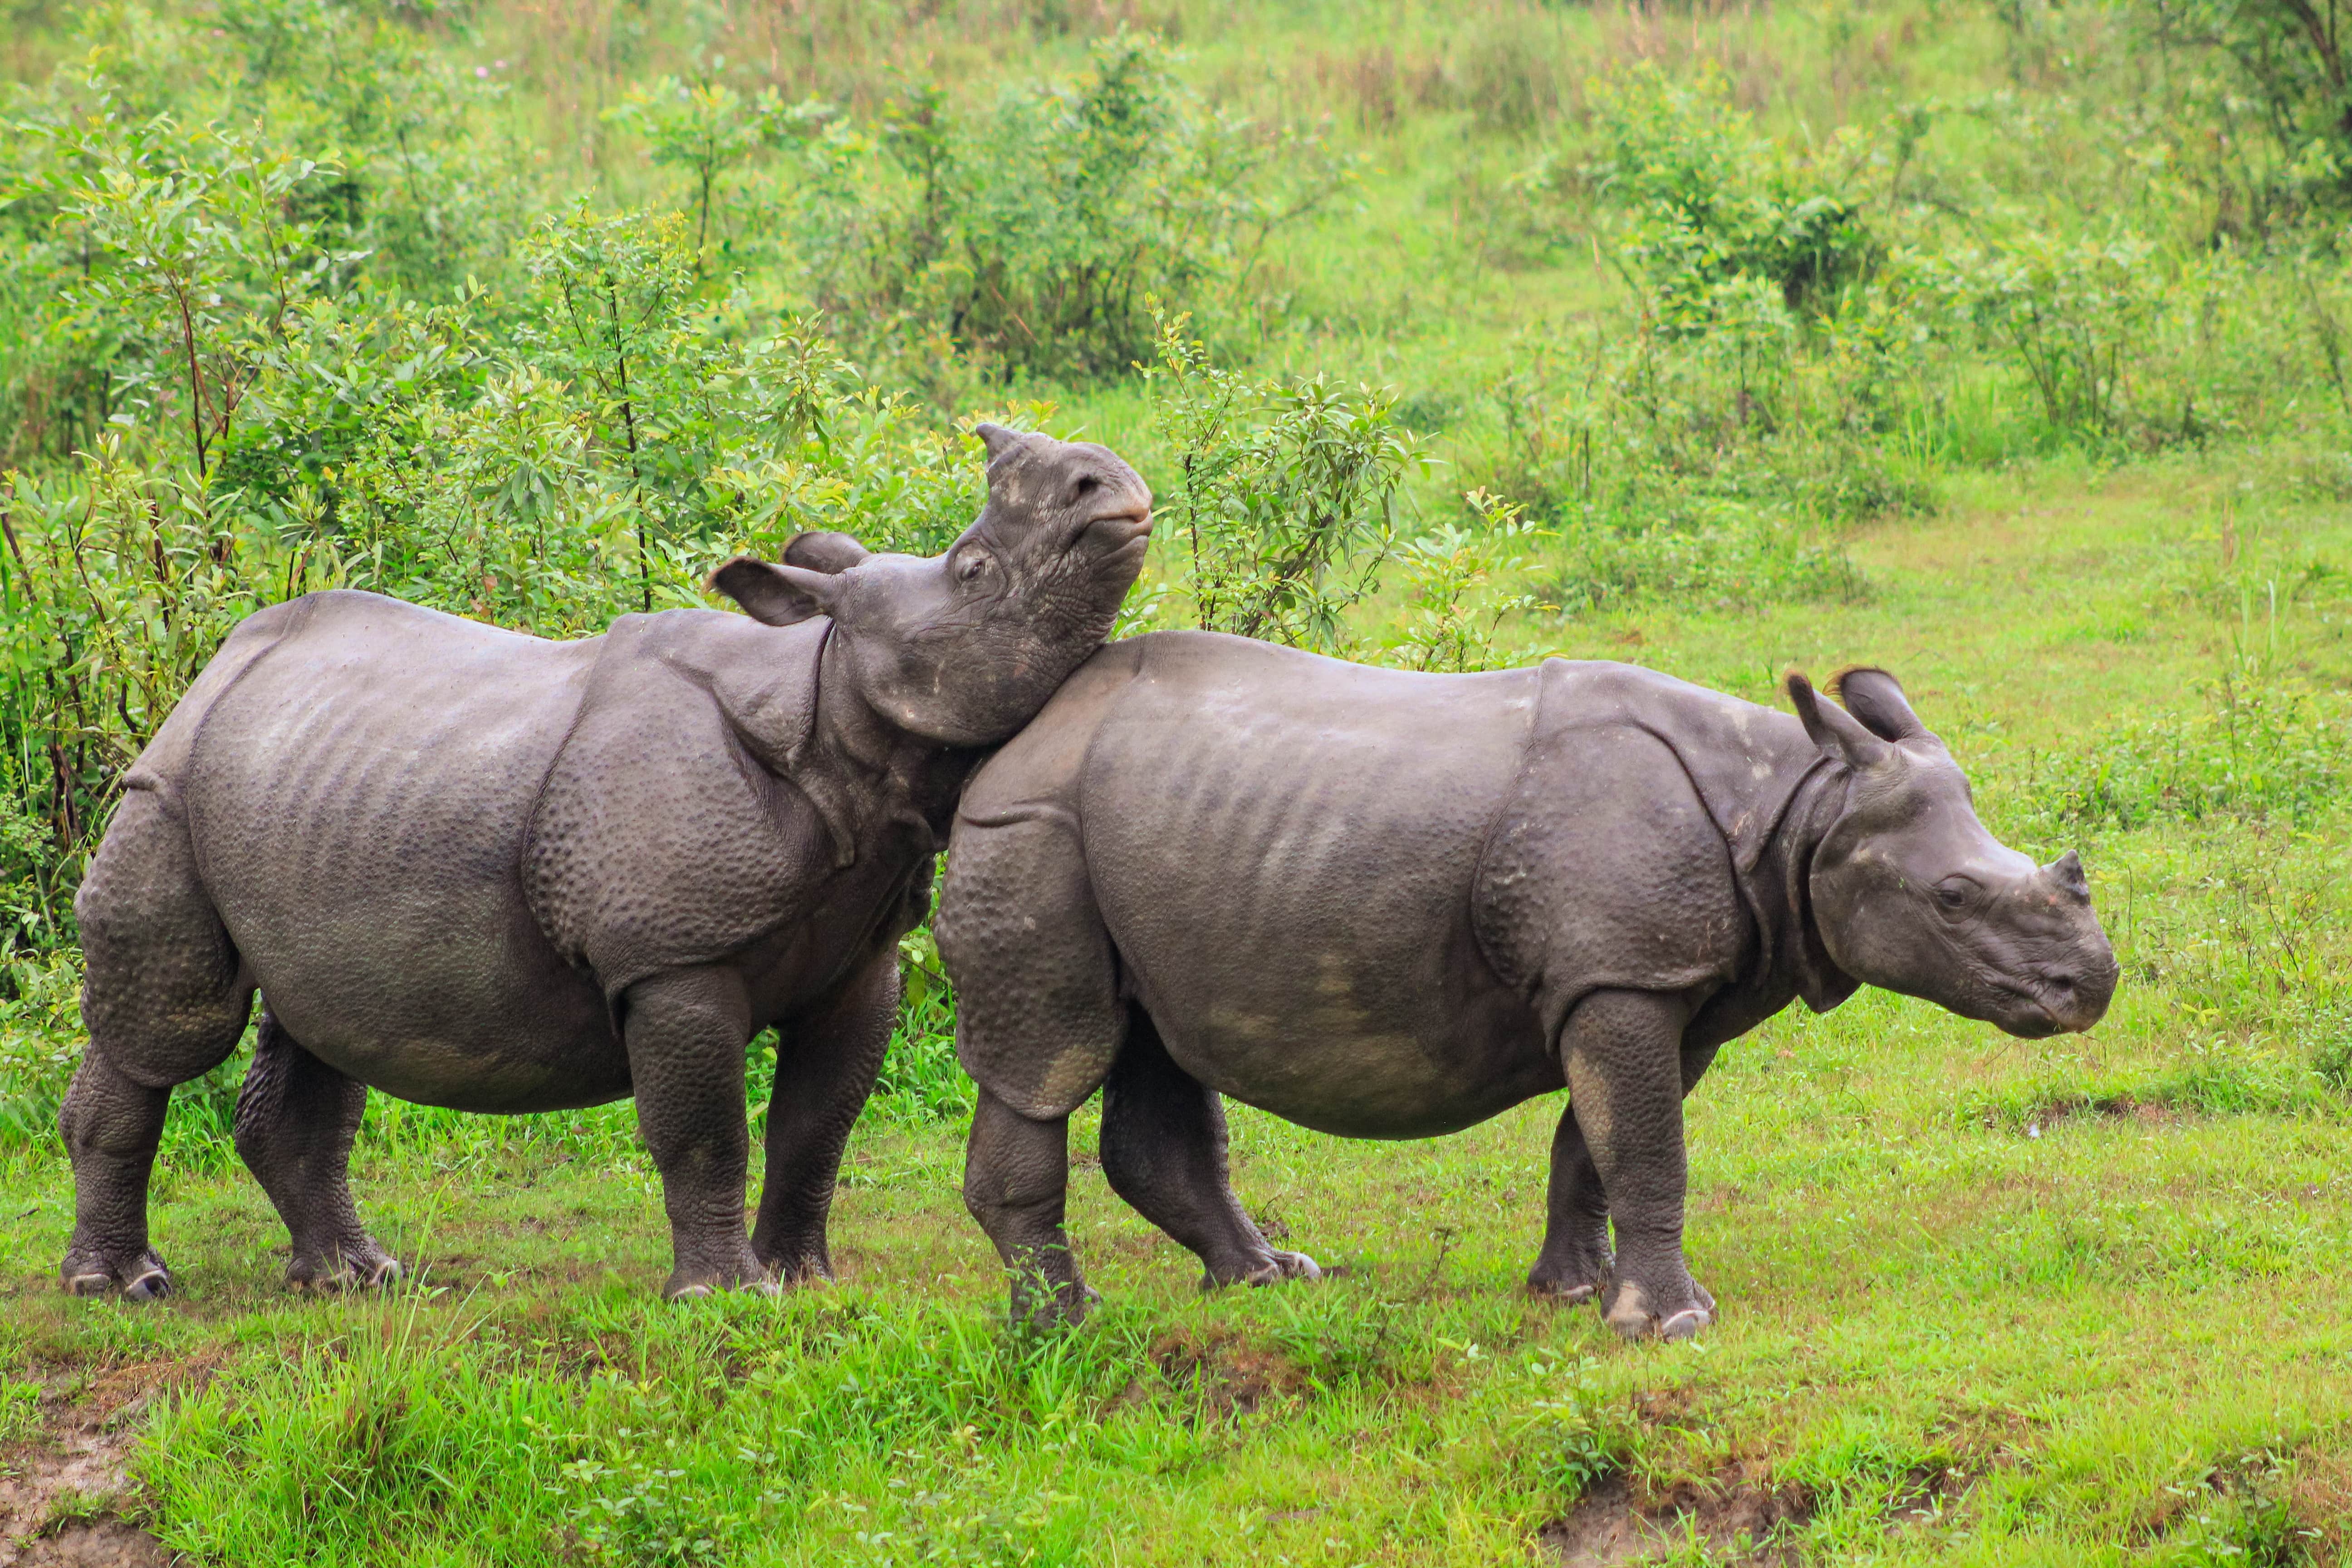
pixel 1709 203
pixel 2074 312
pixel 1454 585
pixel 705 129
pixel 1287 499
pixel 1033 235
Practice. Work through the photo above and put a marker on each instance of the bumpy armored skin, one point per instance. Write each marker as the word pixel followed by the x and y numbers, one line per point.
pixel 1391 905
pixel 480 869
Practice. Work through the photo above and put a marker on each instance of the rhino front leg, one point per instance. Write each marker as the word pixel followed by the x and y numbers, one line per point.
pixel 686 1032
pixel 1016 1180
pixel 1163 1151
pixel 295 1120
pixel 826 1068
pixel 1576 1259
pixel 1622 1053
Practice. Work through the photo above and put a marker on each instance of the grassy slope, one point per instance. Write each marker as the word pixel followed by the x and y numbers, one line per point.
pixel 1969 1325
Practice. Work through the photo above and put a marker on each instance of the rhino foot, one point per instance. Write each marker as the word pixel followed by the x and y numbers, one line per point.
pixel 692 1284
pixel 1575 1279
pixel 89 1272
pixel 1275 1267
pixel 368 1268
pixel 1636 1314
pixel 805 1268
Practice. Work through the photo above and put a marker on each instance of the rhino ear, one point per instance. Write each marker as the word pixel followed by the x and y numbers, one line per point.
pixel 1875 698
pixel 1837 732
pixel 823 551
pixel 778 596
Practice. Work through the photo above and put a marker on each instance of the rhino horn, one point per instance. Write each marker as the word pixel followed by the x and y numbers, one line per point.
pixel 2067 872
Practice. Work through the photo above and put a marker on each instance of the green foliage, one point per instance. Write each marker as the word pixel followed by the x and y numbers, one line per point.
pixel 1451 576
pixel 2275 76
pixel 1032 236
pixel 2258 745
pixel 706 129
pixel 2075 312
pixel 1721 219
pixel 1285 506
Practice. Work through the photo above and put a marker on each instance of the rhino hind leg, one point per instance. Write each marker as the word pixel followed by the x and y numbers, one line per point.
pixel 1623 1052
pixel 686 1030
pixel 1163 1151
pixel 165 1000
pixel 296 1120
pixel 826 1068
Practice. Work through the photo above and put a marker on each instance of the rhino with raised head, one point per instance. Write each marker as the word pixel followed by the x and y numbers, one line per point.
pixel 480 869
pixel 1384 904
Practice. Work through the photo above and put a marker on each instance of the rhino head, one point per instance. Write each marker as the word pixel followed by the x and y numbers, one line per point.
pixel 1910 892
pixel 963 649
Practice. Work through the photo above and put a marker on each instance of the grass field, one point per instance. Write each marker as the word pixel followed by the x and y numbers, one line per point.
pixel 2064 447
pixel 1986 1300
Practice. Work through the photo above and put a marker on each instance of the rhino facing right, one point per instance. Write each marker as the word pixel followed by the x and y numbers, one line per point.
pixel 1384 904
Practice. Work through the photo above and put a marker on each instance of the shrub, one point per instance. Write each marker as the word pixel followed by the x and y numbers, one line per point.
pixel 1032 236
pixel 1287 502
pixel 2072 313
pixel 1715 209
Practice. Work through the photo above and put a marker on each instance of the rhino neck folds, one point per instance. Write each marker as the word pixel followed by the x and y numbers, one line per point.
pixel 1779 890
pixel 862 770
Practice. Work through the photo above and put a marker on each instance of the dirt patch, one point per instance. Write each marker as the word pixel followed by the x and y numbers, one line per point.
pixel 57 1506
pixel 61 1495
pixel 2050 1114
pixel 1230 1377
pixel 1734 1514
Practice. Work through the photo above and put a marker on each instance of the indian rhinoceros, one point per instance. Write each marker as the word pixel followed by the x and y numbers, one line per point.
pixel 1386 904
pixel 475 869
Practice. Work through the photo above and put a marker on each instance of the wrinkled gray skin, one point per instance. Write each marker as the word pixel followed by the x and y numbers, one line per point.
pixel 1391 905
pixel 479 870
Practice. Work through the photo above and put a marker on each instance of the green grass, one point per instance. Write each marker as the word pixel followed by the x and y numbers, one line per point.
pixel 1985 1300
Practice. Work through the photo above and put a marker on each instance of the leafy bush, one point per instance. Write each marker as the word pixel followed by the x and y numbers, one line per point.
pixel 2259 747
pixel 2073 313
pixel 1033 235
pixel 1715 210
pixel 1287 501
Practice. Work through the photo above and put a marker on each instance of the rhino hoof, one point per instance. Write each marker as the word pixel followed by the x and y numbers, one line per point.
pixel 1629 1310
pixel 1574 1295
pixel 694 1292
pixel 89 1284
pixel 1685 1324
pixel 384 1275
pixel 152 1286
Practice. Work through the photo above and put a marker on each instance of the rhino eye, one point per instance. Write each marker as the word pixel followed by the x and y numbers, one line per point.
pixel 969 569
pixel 1954 892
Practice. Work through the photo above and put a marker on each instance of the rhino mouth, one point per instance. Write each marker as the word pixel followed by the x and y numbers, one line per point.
pixel 2051 1007
pixel 1122 527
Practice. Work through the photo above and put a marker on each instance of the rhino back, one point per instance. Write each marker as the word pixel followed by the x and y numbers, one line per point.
pixel 1284 847
pixel 358 798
